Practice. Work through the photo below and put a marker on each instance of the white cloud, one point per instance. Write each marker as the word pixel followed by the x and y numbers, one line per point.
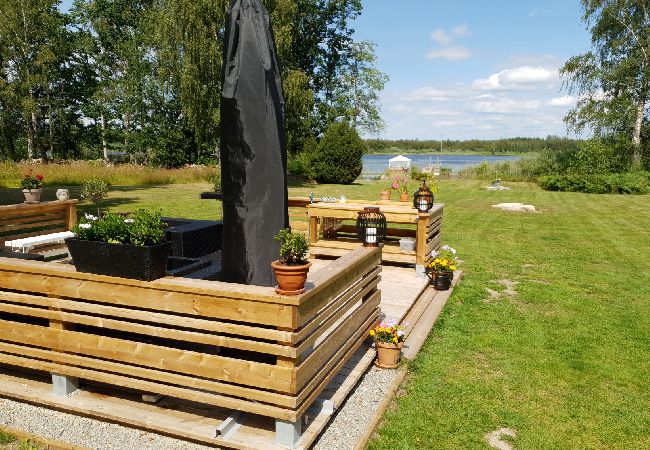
pixel 566 100
pixel 505 105
pixel 455 53
pixel 461 31
pixel 441 37
pixel 525 77
pixel 539 12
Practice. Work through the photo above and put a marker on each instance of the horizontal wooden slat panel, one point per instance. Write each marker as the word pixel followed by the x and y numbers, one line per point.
pixel 323 352
pixel 145 297
pixel 148 386
pixel 36 217
pixel 362 287
pixel 155 331
pixel 152 375
pixel 149 316
pixel 182 361
pixel 27 209
pixel 433 244
pixel 335 279
pixel 44 224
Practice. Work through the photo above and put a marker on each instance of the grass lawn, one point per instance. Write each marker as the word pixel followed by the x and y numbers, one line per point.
pixel 564 359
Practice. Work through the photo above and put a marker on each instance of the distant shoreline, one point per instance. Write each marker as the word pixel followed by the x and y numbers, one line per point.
pixel 449 152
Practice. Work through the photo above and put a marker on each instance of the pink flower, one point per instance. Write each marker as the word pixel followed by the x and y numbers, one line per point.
pixel 394 186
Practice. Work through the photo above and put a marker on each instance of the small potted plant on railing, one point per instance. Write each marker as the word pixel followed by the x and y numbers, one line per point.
pixel 291 271
pixel 132 247
pixel 441 267
pixel 389 339
pixel 32 186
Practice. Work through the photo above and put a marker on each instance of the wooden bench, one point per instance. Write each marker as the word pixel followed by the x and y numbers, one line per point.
pixel 24 227
pixel 424 227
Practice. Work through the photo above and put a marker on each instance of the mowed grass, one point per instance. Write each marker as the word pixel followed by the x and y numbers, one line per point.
pixel 565 361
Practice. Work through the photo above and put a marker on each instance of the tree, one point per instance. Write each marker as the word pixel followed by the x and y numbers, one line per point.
pixel 613 80
pixel 357 96
pixel 338 156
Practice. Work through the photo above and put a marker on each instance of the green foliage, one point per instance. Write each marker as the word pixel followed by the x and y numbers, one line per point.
pixel 615 183
pixel 338 157
pixel 30 181
pixel 6 438
pixel 293 247
pixel 95 190
pixel 216 180
pixel 144 228
pixel 300 166
pixel 611 81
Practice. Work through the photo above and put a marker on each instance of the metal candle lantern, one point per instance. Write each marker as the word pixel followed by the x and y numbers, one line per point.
pixel 423 198
pixel 371 226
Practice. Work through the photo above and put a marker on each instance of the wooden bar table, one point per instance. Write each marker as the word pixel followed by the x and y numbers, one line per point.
pixel 426 230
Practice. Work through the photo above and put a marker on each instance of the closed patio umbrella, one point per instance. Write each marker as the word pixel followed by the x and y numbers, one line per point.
pixel 253 153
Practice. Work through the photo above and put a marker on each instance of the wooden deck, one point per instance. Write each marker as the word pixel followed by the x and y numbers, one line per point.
pixel 405 295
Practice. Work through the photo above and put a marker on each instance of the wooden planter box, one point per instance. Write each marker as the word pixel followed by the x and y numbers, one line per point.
pixel 239 347
pixel 119 260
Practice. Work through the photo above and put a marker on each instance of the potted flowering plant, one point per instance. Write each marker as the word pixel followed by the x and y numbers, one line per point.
pixel 132 247
pixel 291 271
pixel 389 339
pixel 32 186
pixel 402 186
pixel 441 267
pixel 385 193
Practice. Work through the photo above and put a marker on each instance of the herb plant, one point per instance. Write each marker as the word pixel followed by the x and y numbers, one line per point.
pixel 293 247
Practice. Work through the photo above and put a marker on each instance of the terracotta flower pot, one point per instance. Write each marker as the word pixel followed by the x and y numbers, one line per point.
pixel 385 195
pixel 404 197
pixel 32 195
pixel 291 279
pixel 388 355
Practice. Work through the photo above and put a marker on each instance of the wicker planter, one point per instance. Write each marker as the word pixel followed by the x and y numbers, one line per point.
pixel 388 355
pixel 32 195
pixel 291 279
pixel 384 195
pixel 119 260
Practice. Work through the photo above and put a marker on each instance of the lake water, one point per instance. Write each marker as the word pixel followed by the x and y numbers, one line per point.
pixel 375 165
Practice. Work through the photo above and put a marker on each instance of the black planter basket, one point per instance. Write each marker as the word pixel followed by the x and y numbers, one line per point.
pixel 119 260
pixel 441 281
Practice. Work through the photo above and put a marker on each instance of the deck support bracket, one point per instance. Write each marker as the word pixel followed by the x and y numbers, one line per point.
pixel 287 434
pixel 230 426
pixel 62 385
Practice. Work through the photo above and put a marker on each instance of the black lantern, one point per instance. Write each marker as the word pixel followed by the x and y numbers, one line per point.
pixel 423 198
pixel 371 226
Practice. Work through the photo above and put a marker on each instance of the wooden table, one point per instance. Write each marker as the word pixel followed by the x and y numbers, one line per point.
pixel 426 230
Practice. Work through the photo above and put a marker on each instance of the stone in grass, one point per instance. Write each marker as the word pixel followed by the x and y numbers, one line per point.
pixel 516 207
pixel 497 188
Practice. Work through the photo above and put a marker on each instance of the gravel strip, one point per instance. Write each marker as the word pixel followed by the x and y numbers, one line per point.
pixel 343 432
pixel 83 431
pixel 353 418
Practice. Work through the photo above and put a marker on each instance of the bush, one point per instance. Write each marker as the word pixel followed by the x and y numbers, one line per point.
pixel 300 166
pixel 94 190
pixel 143 229
pixel 616 183
pixel 337 159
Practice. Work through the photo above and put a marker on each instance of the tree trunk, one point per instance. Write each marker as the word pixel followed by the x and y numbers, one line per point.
pixel 30 136
pixel 42 148
pixel 102 122
pixel 126 131
pixel 636 136
pixel 50 126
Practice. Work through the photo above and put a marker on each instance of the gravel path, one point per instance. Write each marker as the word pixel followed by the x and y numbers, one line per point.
pixel 353 418
pixel 342 433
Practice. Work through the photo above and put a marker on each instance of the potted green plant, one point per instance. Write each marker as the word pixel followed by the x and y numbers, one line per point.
pixel 291 270
pixel 386 192
pixel 389 339
pixel 32 186
pixel 132 247
pixel 95 190
pixel 441 267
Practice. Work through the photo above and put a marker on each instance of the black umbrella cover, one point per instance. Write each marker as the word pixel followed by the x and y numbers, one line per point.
pixel 253 152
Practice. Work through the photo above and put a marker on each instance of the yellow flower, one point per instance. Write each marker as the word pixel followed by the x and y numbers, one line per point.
pixel 395 339
pixel 372 332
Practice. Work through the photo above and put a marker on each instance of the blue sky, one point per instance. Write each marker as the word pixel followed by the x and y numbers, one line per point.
pixel 473 68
